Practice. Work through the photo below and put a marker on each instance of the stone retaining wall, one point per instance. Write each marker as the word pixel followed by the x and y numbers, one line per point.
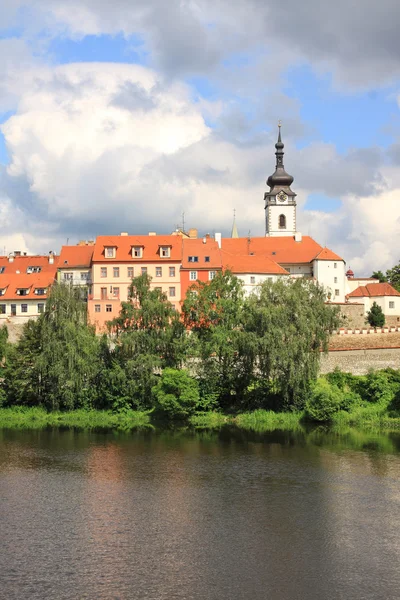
pixel 360 362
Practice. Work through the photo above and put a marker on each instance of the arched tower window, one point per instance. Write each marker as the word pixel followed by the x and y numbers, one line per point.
pixel 282 222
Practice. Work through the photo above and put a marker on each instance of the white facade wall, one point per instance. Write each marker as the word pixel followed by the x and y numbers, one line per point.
pixel 273 212
pixel 304 270
pixel 331 274
pixel 251 281
pixel 383 301
pixel 77 277
pixel 32 308
pixel 353 283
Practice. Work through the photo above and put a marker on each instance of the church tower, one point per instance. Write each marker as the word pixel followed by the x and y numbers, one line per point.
pixel 280 201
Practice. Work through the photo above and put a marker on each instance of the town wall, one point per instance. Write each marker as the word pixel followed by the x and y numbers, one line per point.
pixel 360 362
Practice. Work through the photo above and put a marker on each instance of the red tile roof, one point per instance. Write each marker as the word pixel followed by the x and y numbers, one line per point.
pixel 124 243
pixel 76 256
pixel 251 264
pixel 327 254
pixel 15 276
pixel 200 249
pixel 372 290
pixel 283 250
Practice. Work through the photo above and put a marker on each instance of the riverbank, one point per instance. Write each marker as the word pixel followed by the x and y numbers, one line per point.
pixel 371 418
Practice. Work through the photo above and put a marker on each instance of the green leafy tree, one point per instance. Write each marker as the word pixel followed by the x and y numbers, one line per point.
pixel 148 336
pixel 56 360
pixel 213 311
pixel 393 276
pixel 176 394
pixel 375 316
pixel 291 323
pixel 379 275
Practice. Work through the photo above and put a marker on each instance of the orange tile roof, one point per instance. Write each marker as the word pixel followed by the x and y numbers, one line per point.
pixel 76 256
pixel 21 263
pixel 14 281
pixel 327 254
pixel 251 264
pixel 372 290
pixel 201 249
pixel 150 243
pixel 283 250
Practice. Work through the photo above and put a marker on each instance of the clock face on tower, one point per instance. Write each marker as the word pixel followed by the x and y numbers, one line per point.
pixel 282 196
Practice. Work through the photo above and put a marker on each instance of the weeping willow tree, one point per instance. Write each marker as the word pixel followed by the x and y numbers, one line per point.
pixel 292 324
pixel 55 363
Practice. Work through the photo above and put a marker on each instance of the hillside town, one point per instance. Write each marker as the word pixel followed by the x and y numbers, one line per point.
pixel 104 267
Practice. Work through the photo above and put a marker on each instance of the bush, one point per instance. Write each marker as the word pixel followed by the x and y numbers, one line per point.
pixel 378 387
pixel 325 400
pixel 375 316
pixel 176 394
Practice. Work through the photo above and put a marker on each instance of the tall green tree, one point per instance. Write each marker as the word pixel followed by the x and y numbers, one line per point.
pixel 379 275
pixel 393 276
pixel 149 336
pixel 56 360
pixel 291 323
pixel 213 312
pixel 375 316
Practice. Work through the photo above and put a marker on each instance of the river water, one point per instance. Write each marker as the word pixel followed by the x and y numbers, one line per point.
pixel 199 515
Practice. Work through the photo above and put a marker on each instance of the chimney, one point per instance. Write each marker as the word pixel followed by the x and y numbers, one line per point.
pixel 204 240
pixel 81 243
pixel 17 252
pixel 124 233
pixel 51 257
pixel 218 239
pixel 192 233
pixel 11 257
pixel 152 233
pixel 298 237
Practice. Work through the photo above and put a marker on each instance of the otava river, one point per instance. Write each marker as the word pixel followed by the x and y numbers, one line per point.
pixel 199 515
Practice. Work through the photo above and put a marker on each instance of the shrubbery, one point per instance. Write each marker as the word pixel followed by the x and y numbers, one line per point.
pixel 176 394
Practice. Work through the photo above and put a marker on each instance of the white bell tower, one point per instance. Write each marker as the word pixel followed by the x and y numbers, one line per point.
pixel 280 201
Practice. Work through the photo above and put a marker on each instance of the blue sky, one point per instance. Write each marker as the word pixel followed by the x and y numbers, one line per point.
pixel 334 86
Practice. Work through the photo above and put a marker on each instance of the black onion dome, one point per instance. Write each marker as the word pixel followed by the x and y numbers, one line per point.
pixel 280 177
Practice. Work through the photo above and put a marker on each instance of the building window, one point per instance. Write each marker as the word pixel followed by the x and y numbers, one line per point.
pixel 335 265
pixel 108 308
pixel 337 292
pixel 206 259
pixel 2 309
pixel 84 275
pixel 172 271
pixel 68 276
pixel 40 307
pixel 144 270
pixel 165 251
pixel 137 251
pixel 40 291
pixel 282 222
pixel 211 275
pixel 115 292
pixel 97 308
pixel 33 269
pixel 103 272
pixel 2 291
pixel 252 279
pixel 193 276
pixel 335 280
pixel 110 252
pixel 193 259
pixel 287 269
pixel 116 272
pixel 23 292
pixel 171 291
pixel 130 272
pixel 391 304
pixel 103 293
pixel 24 308
pixel 2 269
pixel 158 272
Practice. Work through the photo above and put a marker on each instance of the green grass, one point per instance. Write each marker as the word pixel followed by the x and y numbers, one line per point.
pixel 38 418
pixel 373 416
pixel 209 420
pixel 267 420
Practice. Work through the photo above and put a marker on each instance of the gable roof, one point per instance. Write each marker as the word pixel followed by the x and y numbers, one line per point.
pixel 16 281
pixel 282 250
pixel 21 263
pixel 327 254
pixel 201 249
pixel 75 256
pixel 251 264
pixel 124 244
pixel 373 290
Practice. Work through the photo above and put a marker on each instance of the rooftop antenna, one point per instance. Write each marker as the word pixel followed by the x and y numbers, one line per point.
pixel 248 242
pixel 183 221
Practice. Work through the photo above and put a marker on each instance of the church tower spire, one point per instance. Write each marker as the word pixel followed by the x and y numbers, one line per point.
pixel 234 233
pixel 280 201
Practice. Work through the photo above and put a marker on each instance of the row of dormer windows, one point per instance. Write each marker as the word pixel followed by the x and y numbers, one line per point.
pixel 137 251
